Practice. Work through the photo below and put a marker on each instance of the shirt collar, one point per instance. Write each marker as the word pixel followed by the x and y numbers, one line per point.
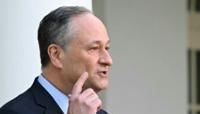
pixel 60 98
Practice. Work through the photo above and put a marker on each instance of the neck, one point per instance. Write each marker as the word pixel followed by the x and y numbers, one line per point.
pixel 55 77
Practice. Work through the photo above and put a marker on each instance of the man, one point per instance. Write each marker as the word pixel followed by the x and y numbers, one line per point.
pixel 75 62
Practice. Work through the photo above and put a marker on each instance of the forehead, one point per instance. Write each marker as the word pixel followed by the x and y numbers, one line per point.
pixel 89 29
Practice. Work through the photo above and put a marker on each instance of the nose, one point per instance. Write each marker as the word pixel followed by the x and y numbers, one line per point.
pixel 105 58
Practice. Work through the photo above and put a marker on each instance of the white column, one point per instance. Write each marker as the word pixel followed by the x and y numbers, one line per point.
pixel 19 52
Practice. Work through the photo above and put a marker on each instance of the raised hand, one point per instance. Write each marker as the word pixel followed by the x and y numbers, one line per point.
pixel 83 102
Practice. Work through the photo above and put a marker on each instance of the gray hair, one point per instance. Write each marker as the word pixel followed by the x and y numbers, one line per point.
pixel 56 28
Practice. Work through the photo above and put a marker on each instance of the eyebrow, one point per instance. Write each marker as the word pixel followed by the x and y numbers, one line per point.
pixel 99 42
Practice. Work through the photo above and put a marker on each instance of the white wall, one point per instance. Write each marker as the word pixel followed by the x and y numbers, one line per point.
pixel 19 58
pixel 149 54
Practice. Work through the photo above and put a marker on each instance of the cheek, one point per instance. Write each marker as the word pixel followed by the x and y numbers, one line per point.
pixel 81 65
pixel 73 65
pixel 78 67
pixel 83 61
pixel 91 65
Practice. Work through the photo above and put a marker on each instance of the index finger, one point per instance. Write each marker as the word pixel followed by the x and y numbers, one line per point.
pixel 77 88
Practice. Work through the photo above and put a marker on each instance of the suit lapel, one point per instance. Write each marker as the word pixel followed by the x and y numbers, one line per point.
pixel 44 99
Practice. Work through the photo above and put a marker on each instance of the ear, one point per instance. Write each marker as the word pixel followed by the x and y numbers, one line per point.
pixel 55 53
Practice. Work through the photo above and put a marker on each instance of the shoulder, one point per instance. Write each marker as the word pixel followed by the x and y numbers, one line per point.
pixel 22 104
pixel 7 111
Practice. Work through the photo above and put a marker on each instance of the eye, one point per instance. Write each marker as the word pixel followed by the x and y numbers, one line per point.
pixel 94 48
pixel 107 48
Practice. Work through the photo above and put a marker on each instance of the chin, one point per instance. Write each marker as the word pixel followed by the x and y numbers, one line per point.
pixel 98 84
pixel 100 87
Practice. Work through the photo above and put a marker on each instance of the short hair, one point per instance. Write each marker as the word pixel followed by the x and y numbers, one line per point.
pixel 55 28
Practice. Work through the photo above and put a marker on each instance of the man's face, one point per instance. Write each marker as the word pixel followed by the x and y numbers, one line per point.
pixel 88 52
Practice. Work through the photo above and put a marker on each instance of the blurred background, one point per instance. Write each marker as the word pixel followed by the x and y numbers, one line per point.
pixel 155 45
pixel 193 8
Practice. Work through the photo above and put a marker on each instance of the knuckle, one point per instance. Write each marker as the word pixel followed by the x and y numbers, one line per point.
pixel 90 90
pixel 93 106
pixel 96 96
pixel 99 101
pixel 87 103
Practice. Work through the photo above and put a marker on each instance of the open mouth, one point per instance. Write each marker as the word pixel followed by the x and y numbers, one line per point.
pixel 103 73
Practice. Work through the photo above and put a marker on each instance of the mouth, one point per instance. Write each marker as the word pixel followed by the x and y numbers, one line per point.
pixel 103 74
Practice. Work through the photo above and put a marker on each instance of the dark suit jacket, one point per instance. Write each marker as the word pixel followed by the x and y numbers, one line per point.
pixel 36 100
